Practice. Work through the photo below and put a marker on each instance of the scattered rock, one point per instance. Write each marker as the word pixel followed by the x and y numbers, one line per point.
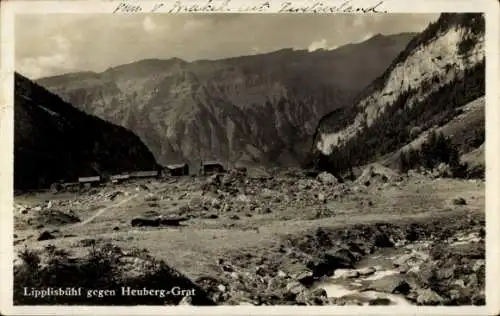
pixel 115 194
pixel 151 198
pixel 330 261
pixel 172 221
pixel 382 240
pixel 478 265
pixel 116 228
pixel 380 301
pixel 459 201
pixel 366 271
pixel 265 210
pixel 243 198
pixel 45 236
pixel 377 173
pixel 327 178
pixel 53 217
pixel 319 292
pixel 216 203
pixel 214 179
pixel 346 273
pixel 428 297
pixel 298 272
pixel 87 242
pixel 295 287
pixel 138 222
pixel 267 193
pixel 391 284
pixel 482 233
pixel 411 259
pixel 186 300
pixel 282 274
pixel 222 288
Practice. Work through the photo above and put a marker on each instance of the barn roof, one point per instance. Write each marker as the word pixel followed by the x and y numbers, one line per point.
pixel 212 163
pixel 176 166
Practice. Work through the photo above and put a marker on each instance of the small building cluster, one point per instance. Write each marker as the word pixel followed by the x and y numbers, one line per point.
pixel 171 170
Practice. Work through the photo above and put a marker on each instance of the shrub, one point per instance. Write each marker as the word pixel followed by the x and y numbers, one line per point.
pixel 103 268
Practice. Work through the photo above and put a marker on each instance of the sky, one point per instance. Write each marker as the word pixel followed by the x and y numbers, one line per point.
pixel 53 44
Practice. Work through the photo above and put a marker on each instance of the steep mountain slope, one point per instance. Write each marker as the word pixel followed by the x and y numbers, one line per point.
pixel 251 109
pixel 54 141
pixel 441 70
pixel 466 131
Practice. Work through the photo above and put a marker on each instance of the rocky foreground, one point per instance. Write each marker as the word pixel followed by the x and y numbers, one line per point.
pixel 263 239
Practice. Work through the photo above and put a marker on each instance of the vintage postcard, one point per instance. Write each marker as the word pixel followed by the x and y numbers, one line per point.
pixel 235 157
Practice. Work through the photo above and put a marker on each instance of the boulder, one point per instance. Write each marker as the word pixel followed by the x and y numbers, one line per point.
pixel 377 173
pixel 428 297
pixel 113 195
pixel 45 236
pixel 391 284
pixel 282 274
pixel 299 272
pixel 346 273
pixel 380 301
pixel 186 300
pixel 382 240
pixel 139 222
pixel 295 287
pixel 366 271
pixel 331 261
pixel 459 201
pixel 327 178
pixel 411 259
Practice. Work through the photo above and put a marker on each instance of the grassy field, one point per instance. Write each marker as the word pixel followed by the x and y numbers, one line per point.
pixel 283 206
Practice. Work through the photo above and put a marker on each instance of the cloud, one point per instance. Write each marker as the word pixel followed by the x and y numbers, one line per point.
pixel 317 45
pixel 255 50
pixel 148 25
pixel 321 44
pixel 189 36
pixel 366 37
pixel 42 65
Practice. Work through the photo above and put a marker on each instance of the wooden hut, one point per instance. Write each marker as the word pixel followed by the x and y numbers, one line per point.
pixel 144 174
pixel 177 170
pixel 211 167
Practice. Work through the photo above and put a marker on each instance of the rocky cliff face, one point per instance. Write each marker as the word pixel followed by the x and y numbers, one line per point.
pixel 54 141
pixel 439 72
pixel 251 109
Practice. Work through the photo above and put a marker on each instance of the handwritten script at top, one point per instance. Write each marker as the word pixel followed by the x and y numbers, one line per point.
pixel 228 6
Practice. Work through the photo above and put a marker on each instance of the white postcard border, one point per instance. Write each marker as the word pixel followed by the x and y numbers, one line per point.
pixel 491 9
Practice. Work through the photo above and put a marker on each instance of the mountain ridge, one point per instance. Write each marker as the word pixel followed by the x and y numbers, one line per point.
pixel 54 141
pixel 441 70
pixel 247 109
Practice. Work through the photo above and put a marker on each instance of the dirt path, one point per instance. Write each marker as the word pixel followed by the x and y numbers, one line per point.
pixel 98 213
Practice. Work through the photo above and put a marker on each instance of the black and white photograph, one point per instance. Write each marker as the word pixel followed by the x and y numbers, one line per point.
pixel 249 159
